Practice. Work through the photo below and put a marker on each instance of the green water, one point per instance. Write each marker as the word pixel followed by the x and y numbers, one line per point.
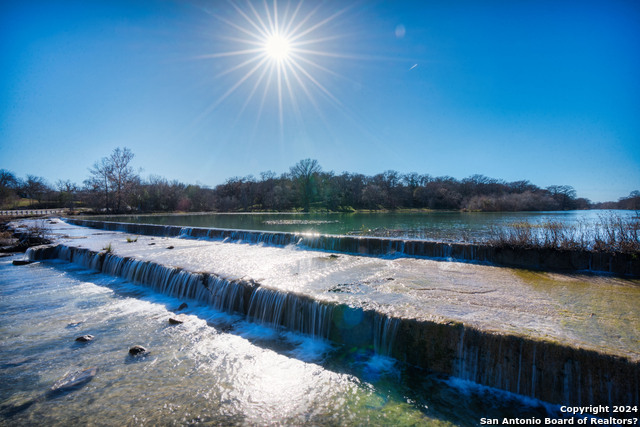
pixel 437 225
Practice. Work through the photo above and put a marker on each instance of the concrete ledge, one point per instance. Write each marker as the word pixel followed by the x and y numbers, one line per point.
pixel 536 259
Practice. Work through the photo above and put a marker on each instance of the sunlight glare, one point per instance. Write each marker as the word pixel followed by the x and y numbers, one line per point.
pixel 279 50
pixel 277 47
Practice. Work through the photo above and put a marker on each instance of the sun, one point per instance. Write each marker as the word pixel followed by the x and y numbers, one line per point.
pixel 276 52
pixel 277 47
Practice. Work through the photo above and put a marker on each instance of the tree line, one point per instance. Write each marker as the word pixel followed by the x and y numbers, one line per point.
pixel 113 186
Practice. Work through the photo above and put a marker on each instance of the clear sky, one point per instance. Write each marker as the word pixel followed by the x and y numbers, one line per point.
pixel 200 91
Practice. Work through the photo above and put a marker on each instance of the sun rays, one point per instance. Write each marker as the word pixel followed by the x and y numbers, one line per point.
pixel 275 54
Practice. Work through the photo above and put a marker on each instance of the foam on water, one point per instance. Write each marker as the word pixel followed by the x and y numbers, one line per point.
pixel 306 348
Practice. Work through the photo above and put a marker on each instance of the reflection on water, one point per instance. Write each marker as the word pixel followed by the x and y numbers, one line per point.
pixel 436 225
pixel 215 368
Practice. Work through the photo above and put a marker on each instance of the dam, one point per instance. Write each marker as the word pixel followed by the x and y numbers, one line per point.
pixel 570 339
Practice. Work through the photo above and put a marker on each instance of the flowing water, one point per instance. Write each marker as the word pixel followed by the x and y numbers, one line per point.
pixel 216 368
pixel 241 358
pixel 436 225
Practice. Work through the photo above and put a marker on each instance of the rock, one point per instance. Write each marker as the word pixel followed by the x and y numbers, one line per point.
pixel 182 306
pixel 136 350
pixel 74 380
pixel 177 320
pixel 85 338
pixel 22 261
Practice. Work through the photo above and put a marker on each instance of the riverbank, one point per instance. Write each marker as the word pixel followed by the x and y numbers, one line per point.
pixel 14 240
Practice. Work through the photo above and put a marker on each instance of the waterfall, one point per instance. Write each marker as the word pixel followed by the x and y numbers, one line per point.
pixel 545 370
pixel 545 259
pixel 294 312
pixel 384 333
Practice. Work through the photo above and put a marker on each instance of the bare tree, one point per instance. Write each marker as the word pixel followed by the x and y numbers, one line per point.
pixel 122 174
pixel 99 180
pixel 35 187
pixel 114 177
pixel 305 172
pixel 8 185
pixel 565 195
pixel 67 191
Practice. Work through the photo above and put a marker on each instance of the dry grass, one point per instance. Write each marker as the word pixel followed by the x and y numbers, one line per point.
pixel 610 234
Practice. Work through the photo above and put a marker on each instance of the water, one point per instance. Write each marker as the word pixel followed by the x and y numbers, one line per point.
pixel 436 225
pixel 587 311
pixel 217 368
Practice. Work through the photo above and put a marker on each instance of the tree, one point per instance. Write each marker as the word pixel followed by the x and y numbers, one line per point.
pixel 35 187
pixel 8 186
pixel 66 192
pixel 114 177
pixel 122 175
pixel 305 172
pixel 565 195
pixel 99 180
pixel 632 201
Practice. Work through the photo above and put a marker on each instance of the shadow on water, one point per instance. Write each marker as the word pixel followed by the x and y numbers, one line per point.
pixel 68 384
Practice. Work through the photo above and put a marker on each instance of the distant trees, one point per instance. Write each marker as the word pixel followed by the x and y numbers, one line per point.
pixel 34 191
pixel 632 201
pixel 306 185
pixel 565 195
pixel 114 186
pixel 67 192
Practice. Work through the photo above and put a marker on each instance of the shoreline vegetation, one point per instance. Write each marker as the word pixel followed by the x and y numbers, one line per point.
pixel 113 187
pixel 612 234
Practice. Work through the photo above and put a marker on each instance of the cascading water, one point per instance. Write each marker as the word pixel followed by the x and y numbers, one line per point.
pixel 466 353
pixel 213 369
pixel 622 264
pixel 385 329
pixel 470 353
pixel 293 312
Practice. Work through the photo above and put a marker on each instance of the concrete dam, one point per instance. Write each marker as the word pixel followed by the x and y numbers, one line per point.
pixel 563 338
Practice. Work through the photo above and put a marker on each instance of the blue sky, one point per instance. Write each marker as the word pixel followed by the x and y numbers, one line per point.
pixel 547 91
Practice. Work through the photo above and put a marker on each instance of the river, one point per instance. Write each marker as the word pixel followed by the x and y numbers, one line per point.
pixel 224 368
pixel 434 225
pixel 216 368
